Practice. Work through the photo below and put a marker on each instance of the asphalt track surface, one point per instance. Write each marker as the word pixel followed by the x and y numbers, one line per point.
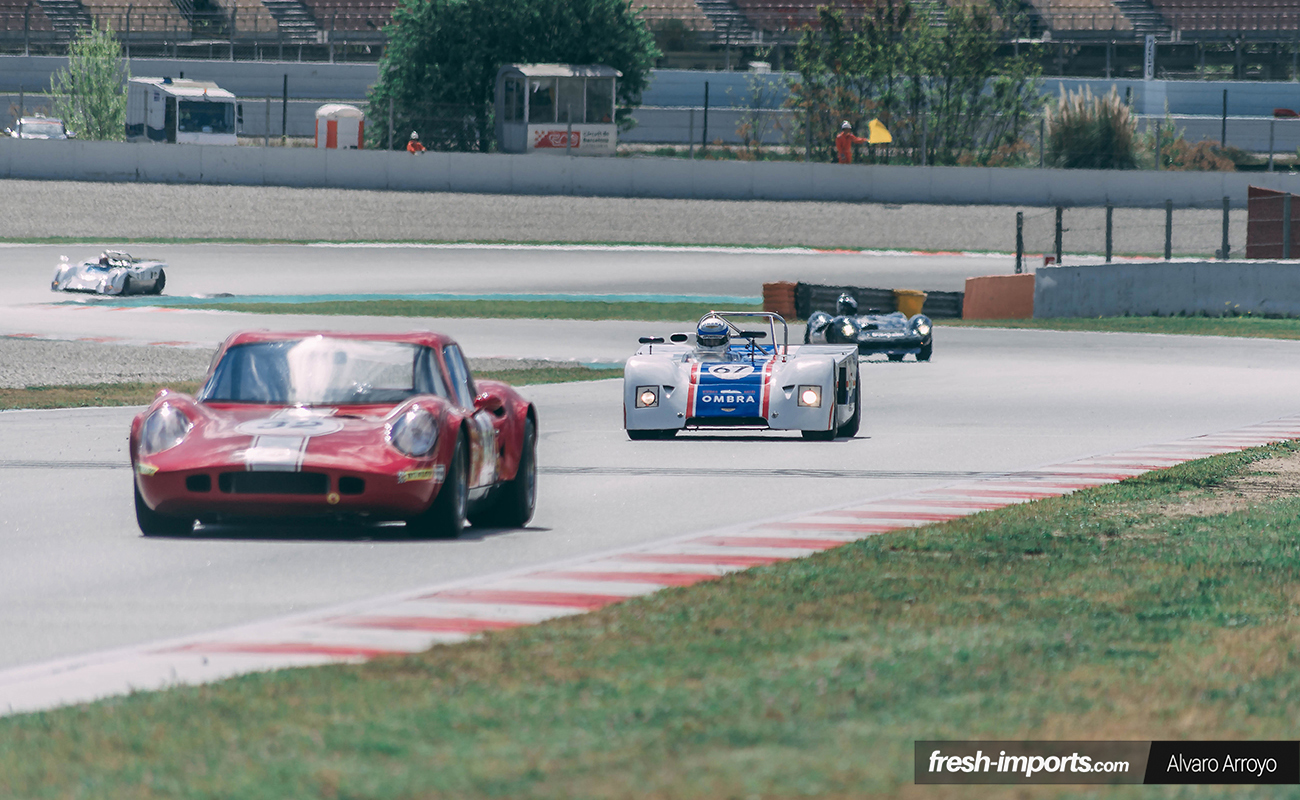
pixel 77 576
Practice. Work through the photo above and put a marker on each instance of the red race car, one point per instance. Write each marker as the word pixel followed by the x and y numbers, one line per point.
pixel 363 427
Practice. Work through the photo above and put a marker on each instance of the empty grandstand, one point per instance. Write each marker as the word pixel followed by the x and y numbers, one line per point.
pixel 1197 38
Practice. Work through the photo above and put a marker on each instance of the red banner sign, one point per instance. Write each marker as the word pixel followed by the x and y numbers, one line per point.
pixel 555 139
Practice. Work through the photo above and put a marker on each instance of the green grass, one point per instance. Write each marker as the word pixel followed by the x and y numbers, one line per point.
pixel 82 395
pixel 484 309
pixel 1253 327
pixel 138 394
pixel 1098 616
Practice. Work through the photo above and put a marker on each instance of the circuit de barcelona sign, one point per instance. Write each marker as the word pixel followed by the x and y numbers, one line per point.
pixel 587 140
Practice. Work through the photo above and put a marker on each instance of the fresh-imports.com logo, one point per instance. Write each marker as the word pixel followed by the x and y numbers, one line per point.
pixel 1028 765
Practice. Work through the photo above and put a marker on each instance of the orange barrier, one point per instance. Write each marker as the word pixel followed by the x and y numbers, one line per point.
pixel 778 298
pixel 999 297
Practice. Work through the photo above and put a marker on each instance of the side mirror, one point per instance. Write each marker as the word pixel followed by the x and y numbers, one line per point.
pixel 489 402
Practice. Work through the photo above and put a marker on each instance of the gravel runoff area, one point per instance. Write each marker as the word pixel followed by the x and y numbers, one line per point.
pixel 45 362
pixel 35 210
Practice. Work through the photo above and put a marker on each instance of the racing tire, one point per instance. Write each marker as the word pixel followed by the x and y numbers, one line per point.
pixel 648 434
pixel 126 286
pixel 821 436
pixel 895 356
pixel 513 502
pixel 926 350
pixel 160 283
pixel 850 429
pixel 807 335
pixel 445 517
pixel 154 524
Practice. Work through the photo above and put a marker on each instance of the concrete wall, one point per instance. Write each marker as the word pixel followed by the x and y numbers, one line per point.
pixel 622 177
pixel 1215 288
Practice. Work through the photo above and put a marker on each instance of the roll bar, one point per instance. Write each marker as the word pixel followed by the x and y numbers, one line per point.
pixel 771 318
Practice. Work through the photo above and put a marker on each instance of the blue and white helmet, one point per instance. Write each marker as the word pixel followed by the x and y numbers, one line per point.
pixel 713 333
pixel 846 305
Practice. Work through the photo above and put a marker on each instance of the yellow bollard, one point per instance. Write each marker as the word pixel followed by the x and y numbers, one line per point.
pixel 909 301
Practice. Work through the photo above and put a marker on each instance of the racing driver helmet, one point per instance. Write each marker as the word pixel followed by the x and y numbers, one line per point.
pixel 713 335
pixel 846 305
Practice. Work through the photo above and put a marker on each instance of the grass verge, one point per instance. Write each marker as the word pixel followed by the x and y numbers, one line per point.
pixel 82 395
pixel 138 394
pixel 1251 327
pixel 483 309
pixel 1124 612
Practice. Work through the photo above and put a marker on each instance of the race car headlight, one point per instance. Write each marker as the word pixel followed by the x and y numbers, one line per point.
pixel 162 430
pixel 922 326
pixel 414 433
pixel 849 330
pixel 810 396
pixel 647 396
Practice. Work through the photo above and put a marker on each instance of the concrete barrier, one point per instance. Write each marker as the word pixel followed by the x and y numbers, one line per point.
pixel 999 297
pixel 619 177
pixel 1214 288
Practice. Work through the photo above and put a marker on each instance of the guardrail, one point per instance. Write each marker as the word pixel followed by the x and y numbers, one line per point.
pixel 624 177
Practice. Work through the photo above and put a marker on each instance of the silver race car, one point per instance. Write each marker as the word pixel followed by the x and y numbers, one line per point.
pixel 113 272
pixel 727 378
pixel 894 334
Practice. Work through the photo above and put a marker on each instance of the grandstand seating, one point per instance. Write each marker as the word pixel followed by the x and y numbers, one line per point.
pixel 1081 15
pixel 12 13
pixel 658 12
pixel 351 15
pixel 1230 16
pixel 152 16
pixel 251 17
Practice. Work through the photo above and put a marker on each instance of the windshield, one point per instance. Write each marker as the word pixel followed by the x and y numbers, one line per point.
pixel 323 371
pixel 50 130
pixel 199 116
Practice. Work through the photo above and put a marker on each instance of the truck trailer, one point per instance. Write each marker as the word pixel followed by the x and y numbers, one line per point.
pixel 179 111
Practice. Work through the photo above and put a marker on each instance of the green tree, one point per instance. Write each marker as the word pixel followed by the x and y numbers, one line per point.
pixel 944 90
pixel 440 66
pixel 90 93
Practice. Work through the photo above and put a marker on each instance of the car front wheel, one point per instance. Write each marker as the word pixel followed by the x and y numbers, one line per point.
pixel 154 524
pixel 445 518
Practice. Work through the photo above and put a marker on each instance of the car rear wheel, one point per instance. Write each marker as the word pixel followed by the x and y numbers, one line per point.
pixel 512 504
pixel 445 518
pixel 126 285
pixel 850 428
pixel 160 283
pixel 644 434
pixel 154 524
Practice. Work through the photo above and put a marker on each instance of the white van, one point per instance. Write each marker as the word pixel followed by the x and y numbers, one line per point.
pixel 179 111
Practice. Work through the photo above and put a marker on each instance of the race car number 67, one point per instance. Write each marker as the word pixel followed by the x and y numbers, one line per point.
pixel 731 372
pixel 290 426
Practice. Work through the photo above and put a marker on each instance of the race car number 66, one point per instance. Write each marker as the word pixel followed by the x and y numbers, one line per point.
pixel 290 426
pixel 731 372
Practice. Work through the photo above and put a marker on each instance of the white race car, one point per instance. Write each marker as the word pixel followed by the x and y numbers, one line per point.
pixel 726 378
pixel 113 272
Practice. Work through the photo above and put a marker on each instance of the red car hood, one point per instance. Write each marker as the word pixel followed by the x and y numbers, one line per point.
pixel 287 439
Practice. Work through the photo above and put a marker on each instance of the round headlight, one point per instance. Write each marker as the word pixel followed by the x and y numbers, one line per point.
pixel 809 397
pixel 647 398
pixel 848 329
pixel 162 430
pixel 922 326
pixel 414 433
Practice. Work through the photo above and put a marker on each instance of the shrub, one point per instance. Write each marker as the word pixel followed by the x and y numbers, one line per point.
pixel 1089 132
